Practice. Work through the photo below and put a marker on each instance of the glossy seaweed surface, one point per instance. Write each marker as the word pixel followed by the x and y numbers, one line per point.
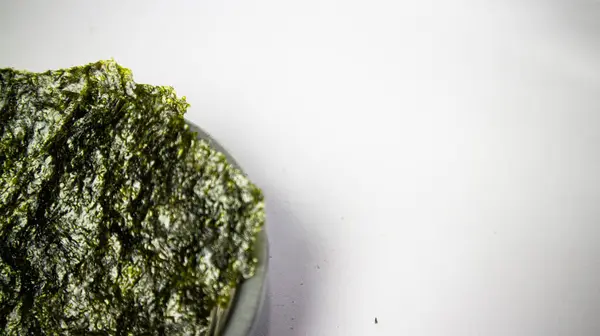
pixel 114 218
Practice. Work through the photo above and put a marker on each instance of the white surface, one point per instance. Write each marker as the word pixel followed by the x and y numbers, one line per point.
pixel 434 164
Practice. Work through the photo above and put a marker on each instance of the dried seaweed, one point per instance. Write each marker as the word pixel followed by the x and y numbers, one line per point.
pixel 114 218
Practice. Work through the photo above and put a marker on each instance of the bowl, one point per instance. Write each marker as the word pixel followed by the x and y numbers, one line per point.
pixel 240 317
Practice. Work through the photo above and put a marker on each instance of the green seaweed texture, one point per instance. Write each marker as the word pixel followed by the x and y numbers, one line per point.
pixel 114 218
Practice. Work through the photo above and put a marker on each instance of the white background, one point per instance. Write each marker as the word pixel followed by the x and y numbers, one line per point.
pixel 433 163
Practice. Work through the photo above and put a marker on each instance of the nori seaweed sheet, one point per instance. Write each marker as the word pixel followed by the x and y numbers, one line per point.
pixel 114 218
